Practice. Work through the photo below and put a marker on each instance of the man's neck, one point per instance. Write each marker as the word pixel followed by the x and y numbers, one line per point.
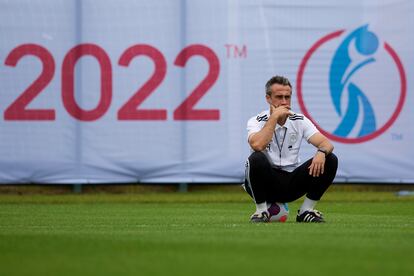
pixel 282 121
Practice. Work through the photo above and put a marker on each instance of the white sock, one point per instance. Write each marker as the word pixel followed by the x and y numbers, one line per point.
pixel 261 207
pixel 308 204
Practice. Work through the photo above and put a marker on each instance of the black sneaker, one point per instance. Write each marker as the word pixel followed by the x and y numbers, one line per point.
pixel 262 217
pixel 310 216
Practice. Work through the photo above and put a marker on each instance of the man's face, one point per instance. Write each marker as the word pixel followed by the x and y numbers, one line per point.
pixel 281 95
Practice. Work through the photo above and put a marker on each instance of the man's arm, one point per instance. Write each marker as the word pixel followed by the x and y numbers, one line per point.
pixel 259 140
pixel 324 147
pixel 321 142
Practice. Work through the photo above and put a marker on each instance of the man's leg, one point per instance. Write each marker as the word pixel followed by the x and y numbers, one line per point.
pixel 313 187
pixel 257 183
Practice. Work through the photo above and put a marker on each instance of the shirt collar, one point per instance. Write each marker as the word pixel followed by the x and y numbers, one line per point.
pixel 286 125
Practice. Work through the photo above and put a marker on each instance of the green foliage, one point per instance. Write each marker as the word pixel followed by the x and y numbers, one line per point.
pixel 202 233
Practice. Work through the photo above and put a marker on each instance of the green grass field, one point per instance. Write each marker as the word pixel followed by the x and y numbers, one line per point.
pixel 202 233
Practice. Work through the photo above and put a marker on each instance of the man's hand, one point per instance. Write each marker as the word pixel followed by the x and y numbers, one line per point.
pixel 318 164
pixel 280 111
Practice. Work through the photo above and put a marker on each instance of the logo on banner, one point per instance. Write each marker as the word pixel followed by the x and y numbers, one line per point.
pixel 354 83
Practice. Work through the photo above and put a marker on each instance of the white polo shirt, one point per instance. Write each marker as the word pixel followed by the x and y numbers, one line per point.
pixel 283 149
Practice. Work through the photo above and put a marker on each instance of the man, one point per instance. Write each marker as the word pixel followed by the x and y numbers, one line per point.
pixel 273 170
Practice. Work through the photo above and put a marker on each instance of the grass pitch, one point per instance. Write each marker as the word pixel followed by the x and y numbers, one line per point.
pixel 202 233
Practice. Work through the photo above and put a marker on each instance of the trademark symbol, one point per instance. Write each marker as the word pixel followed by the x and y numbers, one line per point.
pixel 236 51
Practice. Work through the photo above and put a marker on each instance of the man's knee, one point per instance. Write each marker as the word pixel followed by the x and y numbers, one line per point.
pixel 332 159
pixel 258 158
pixel 331 163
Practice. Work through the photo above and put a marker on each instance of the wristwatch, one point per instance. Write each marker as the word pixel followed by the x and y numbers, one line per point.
pixel 323 150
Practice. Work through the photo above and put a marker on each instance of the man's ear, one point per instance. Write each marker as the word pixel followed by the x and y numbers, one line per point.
pixel 268 99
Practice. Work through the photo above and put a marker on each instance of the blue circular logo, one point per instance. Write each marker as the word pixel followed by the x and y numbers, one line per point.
pixel 350 97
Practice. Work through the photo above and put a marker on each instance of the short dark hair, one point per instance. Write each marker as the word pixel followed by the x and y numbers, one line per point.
pixel 276 79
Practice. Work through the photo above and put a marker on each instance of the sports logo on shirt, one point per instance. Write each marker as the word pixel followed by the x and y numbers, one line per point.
pixel 353 83
pixel 262 118
pixel 293 138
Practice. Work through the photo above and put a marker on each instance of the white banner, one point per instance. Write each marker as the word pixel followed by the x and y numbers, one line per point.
pixel 161 91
